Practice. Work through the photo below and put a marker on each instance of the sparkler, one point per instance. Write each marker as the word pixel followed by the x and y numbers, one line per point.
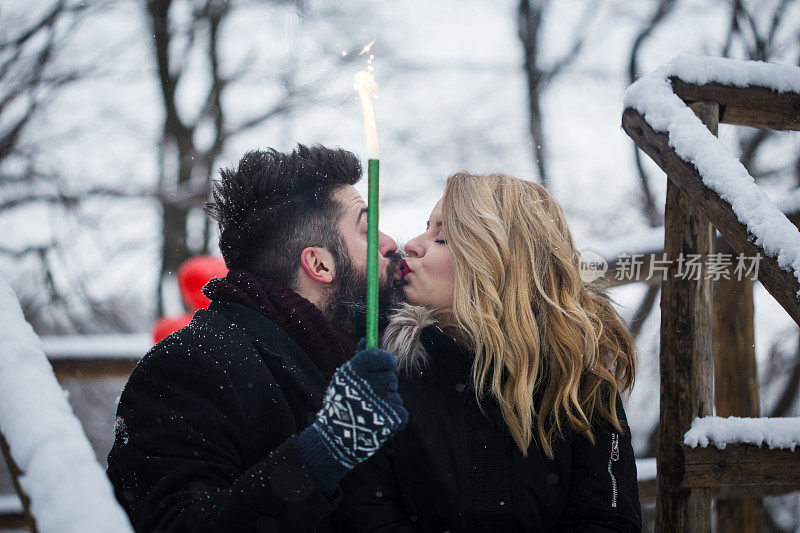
pixel 367 88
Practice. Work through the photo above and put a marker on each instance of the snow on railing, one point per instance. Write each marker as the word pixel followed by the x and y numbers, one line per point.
pixel 67 488
pixel 777 433
pixel 646 469
pixel 115 346
pixel 665 112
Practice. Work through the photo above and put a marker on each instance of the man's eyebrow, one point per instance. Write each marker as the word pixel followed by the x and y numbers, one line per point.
pixel 361 214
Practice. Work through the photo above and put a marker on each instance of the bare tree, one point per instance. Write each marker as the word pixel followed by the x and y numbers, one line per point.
pixel 27 80
pixel 191 139
pixel 186 166
pixel 662 11
pixel 531 15
pixel 31 75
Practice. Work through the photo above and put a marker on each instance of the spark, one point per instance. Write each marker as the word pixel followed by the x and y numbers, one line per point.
pixel 366 48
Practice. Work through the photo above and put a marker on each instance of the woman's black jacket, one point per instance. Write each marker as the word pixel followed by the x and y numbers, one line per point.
pixel 455 469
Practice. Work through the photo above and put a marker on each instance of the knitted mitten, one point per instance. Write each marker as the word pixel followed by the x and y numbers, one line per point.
pixel 361 411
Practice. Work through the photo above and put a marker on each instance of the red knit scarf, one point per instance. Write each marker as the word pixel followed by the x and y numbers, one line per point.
pixel 325 344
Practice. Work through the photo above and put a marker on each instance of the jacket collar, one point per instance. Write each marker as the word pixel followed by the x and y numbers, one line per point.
pixel 277 349
pixel 324 342
pixel 413 335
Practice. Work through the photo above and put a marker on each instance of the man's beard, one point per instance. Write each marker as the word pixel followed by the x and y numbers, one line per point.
pixel 347 300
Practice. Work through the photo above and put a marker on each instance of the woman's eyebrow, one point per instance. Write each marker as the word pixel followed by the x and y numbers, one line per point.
pixel 428 224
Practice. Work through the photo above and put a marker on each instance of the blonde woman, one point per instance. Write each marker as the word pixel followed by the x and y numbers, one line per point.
pixel 511 372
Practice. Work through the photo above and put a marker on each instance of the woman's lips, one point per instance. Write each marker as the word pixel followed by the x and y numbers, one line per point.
pixel 403 269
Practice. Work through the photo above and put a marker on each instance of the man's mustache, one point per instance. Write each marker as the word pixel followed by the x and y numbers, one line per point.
pixel 394 261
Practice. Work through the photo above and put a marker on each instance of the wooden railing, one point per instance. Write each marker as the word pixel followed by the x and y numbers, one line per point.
pixel 708 325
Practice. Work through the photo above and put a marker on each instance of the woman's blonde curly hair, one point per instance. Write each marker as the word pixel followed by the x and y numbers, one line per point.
pixel 537 330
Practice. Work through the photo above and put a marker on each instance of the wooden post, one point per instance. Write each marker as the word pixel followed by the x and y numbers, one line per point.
pixel 735 380
pixel 686 353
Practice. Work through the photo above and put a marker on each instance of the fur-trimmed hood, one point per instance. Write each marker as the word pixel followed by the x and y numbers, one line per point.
pixel 402 335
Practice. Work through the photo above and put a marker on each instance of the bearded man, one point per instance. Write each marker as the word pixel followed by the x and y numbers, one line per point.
pixel 248 418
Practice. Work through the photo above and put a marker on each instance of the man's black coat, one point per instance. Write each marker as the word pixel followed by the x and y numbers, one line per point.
pixel 205 425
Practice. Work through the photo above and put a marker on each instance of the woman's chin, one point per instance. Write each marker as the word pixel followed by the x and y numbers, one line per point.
pixel 415 299
pixel 410 296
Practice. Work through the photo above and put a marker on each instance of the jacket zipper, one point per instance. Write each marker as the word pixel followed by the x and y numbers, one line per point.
pixel 614 457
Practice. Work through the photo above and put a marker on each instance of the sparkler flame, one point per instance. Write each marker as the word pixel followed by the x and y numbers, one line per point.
pixel 367 88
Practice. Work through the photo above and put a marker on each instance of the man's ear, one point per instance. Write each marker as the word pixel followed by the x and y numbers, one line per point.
pixel 317 264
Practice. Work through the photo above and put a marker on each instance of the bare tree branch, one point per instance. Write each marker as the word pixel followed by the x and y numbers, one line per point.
pixel 662 11
pixel 21 252
pixel 68 200
pixel 645 309
pixel 530 20
pixel 578 39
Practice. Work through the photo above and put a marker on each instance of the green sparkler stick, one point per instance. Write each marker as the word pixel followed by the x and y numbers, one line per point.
pixel 364 84
pixel 372 254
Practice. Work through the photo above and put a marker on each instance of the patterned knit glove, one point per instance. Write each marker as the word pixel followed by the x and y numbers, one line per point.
pixel 361 411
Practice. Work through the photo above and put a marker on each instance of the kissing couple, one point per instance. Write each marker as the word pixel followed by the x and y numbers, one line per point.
pixel 493 403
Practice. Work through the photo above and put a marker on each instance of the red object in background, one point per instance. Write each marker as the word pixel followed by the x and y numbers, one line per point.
pixel 167 325
pixel 193 275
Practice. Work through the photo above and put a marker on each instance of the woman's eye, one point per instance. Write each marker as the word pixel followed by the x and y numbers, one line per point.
pixel 440 241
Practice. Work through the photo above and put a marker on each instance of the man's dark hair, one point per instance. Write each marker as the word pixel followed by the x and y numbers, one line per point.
pixel 276 204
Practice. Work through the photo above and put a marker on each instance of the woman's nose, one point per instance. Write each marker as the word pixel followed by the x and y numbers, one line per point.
pixel 386 244
pixel 414 247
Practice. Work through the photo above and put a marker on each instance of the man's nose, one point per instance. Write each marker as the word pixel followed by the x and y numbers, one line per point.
pixel 386 244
